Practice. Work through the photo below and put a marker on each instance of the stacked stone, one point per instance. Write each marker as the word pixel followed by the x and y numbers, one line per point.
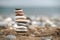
pixel 20 20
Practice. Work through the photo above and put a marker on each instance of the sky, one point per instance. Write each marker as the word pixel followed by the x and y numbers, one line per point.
pixel 30 3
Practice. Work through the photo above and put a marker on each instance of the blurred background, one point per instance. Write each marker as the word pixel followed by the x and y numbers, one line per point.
pixel 35 9
pixel 50 8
